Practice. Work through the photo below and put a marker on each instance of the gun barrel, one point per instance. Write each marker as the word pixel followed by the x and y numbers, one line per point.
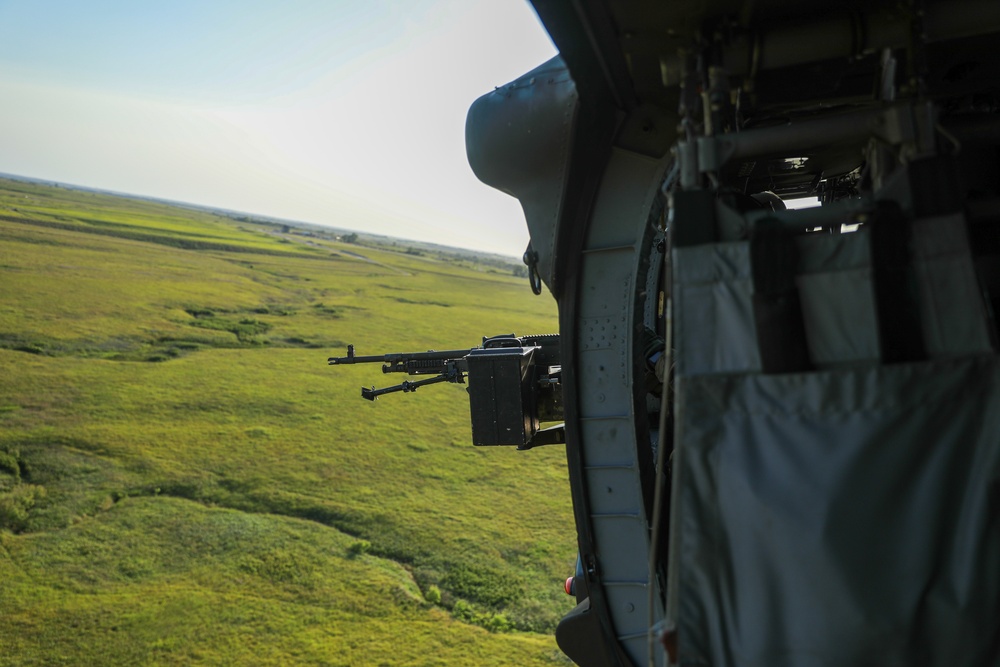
pixel 339 361
pixel 397 357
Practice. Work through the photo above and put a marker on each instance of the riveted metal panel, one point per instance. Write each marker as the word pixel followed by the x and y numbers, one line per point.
pixel 601 333
pixel 612 490
pixel 518 140
pixel 624 544
pixel 606 283
pixel 628 601
pixel 608 391
pixel 607 287
pixel 625 196
pixel 604 438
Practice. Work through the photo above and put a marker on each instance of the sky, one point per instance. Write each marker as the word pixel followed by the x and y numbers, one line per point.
pixel 349 113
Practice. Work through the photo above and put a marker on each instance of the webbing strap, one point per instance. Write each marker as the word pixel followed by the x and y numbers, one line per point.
pixel 781 335
pixel 897 302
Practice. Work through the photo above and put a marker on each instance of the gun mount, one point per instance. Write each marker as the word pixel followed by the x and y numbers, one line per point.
pixel 514 385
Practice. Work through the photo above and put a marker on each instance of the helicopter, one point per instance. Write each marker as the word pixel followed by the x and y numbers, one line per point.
pixel 782 423
pixel 817 479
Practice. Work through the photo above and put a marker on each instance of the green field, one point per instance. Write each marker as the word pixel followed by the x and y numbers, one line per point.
pixel 183 479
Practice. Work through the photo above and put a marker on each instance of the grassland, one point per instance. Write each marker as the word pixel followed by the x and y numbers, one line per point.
pixel 183 480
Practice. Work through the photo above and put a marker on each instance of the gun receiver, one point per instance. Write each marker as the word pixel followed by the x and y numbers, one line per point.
pixel 514 385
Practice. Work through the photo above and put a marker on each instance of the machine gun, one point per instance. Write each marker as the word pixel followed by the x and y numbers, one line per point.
pixel 514 385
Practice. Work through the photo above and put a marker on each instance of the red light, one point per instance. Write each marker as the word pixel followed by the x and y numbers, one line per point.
pixel 570 585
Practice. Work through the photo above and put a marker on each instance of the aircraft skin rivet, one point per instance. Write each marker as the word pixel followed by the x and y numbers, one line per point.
pixel 629 607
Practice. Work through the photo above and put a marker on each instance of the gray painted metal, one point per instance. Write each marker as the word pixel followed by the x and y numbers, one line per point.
pixel 518 140
pixel 607 284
